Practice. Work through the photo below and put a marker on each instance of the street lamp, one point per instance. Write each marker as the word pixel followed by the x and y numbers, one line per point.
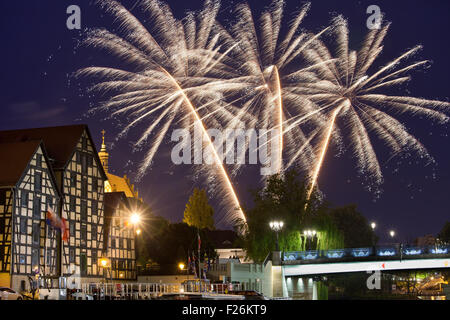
pixel 373 225
pixel 310 234
pixel 392 233
pixel 276 226
pixel 105 263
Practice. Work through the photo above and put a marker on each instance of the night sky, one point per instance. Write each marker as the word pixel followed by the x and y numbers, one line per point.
pixel 38 55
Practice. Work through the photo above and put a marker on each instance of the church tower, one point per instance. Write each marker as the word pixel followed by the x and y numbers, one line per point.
pixel 103 154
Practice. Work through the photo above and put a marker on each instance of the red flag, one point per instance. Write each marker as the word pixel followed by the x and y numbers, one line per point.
pixel 199 241
pixel 65 230
pixel 58 223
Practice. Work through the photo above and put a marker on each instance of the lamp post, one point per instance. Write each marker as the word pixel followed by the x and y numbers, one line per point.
pixel 276 226
pixel 309 234
pixel 182 267
pixel 373 225
pixel 105 263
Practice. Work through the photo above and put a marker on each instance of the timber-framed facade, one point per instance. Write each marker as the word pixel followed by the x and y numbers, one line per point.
pixel 27 191
pixel 65 175
pixel 120 245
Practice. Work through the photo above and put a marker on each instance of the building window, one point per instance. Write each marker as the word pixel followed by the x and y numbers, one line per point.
pixel 84 188
pixel 83 235
pixel 49 257
pixel 23 225
pixel 90 160
pixel 50 202
pixel 83 264
pixel 36 233
pixel 72 203
pixel 113 242
pixel 72 228
pixel 35 258
pixel 94 256
pixel 84 163
pixel 94 232
pixel 83 211
pixel 38 182
pixel 84 143
pixel 22 259
pixel 120 243
pixel 24 199
pixel 73 179
pixel 72 255
pixel 128 244
pixel 94 207
pixel 94 184
pixel 39 160
pixel 37 208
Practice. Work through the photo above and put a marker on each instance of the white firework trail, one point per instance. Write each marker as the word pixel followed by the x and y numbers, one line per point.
pixel 344 92
pixel 173 75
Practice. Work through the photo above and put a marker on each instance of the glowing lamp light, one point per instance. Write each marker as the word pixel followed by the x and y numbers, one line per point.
pixel 310 233
pixel 181 266
pixel 138 231
pixel 135 218
pixel 392 233
pixel 104 262
pixel 373 225
pixel 276 225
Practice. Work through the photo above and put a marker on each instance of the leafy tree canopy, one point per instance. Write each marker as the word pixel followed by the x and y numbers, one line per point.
pixel 354 227
pixel 198 212
pixel 444 235
pixel 285 199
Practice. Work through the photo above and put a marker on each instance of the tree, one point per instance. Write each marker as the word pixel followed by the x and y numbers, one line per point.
pixel 285 198
pixel 444 235
pixel 354 227
pixel 198 212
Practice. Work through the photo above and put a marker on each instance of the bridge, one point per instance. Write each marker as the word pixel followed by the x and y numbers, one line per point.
pixel 302 263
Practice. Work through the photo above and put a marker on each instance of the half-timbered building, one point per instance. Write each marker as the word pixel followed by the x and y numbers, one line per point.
pixel 27 191
pixel 120 245
pixel 80 178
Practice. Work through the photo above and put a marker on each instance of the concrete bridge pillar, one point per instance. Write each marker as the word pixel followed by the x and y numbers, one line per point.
pixel 279 289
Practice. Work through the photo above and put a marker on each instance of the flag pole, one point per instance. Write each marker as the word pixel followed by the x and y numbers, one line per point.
pixel 199 244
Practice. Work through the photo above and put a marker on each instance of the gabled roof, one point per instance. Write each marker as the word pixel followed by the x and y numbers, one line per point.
pixel 120 183
pixel 60 142
pixel 14 159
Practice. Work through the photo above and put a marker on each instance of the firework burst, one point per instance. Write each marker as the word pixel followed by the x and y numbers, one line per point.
pixel 173 75
pixel 345 93
pixel 260 61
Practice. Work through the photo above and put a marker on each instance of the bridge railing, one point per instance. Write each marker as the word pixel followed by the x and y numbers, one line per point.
pixel 380 251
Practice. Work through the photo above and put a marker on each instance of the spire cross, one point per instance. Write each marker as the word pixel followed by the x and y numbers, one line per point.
pixel 103 135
